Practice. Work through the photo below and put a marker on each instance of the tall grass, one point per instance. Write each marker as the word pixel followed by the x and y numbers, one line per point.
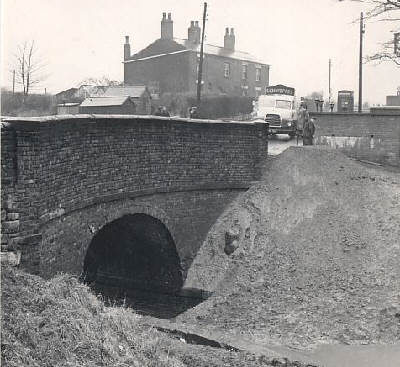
pixel 60 323
pixel 31 105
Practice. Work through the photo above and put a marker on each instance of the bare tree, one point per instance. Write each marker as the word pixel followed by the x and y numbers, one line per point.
pixel 103 81
pixel 384 11
pixel 28 67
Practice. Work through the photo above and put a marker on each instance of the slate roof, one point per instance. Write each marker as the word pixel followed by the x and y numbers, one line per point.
pixel 219 51
pixel 104 101
pixel 162 47
pixel 134 91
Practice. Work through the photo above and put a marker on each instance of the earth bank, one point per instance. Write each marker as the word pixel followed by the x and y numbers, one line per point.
pixel 309 255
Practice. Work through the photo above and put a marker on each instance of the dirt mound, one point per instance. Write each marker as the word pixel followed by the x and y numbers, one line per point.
pixel 310 254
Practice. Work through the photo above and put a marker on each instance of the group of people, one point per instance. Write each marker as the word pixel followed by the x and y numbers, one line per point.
pixel 305 125
pixel 162 111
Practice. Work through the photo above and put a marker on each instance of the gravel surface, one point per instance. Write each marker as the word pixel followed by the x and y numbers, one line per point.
pixel 309 255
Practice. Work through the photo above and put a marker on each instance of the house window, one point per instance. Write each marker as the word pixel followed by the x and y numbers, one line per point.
pixel 227 69
pixel 258 74
pixel 244 72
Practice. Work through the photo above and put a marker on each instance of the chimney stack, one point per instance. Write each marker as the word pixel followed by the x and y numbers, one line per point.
pixel 194 32
pixel 127 48
pixel 229 39
pixel 167 27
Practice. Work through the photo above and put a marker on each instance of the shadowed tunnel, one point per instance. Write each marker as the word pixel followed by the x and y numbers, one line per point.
pixel 135 251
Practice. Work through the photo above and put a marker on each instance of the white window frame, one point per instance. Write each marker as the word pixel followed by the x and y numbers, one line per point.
pixel 227 69
pixel 258 74
pixel 244 71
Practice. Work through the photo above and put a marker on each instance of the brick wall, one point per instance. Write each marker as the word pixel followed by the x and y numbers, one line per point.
pixel 65 178
pixel 178 73
pixel 170 71
pixel 216 82
pixel 373 137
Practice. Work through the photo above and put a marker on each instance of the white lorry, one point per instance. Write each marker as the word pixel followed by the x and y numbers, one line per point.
pixel 278 107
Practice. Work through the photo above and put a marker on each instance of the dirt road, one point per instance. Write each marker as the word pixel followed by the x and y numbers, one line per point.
pixel 279 143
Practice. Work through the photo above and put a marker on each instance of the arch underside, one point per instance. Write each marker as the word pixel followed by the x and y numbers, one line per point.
pixel 135 251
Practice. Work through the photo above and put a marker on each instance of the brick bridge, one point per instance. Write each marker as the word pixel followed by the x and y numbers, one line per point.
pixel 120 197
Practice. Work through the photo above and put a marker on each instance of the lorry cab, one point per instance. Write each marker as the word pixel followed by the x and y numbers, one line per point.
pixel 278 107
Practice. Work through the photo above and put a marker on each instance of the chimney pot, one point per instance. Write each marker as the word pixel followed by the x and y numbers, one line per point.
pixel 164 15
pixel 192 23
pixel 197 23
pixel 127 48
pixel 229 39
pixel 167 27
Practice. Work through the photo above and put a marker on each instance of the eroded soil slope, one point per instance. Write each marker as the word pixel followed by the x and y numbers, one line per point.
pixel 310 254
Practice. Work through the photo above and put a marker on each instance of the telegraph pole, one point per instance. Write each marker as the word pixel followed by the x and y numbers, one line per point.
pixel 200 73
pixel 13 82
pixel 330 90
pixel 362 30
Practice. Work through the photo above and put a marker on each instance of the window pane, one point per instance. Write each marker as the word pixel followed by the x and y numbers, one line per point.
pixel 283 104
pixel 244 71
pixel 227 69
pixel 258 74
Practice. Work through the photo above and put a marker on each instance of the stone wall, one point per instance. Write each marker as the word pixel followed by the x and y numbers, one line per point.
pixel 64 178
pixel 369 136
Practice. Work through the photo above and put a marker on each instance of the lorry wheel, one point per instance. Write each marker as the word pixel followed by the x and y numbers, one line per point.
pixel 291 135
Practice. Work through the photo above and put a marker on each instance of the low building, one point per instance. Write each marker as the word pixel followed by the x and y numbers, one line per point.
pixel 139 94
pixel 67 96
pixel 68 108
pixel 122 105
pixel 73 95
pixel 393 100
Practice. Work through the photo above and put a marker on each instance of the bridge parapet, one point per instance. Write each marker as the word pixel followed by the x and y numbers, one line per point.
pixel 57 167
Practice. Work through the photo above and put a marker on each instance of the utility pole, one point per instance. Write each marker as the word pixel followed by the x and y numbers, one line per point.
pixel 362 30
pixel 13 82
pixel 330 90
pixel 200 73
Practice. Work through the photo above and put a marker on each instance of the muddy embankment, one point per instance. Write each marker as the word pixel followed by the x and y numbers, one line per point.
pixel 309 255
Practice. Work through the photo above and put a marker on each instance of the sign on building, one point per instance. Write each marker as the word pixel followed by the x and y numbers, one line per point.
pixel 279 89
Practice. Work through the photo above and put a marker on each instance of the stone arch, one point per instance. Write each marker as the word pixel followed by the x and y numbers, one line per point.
pixel 134 251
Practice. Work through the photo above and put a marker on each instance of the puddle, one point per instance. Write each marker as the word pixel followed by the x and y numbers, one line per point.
pixel 357 355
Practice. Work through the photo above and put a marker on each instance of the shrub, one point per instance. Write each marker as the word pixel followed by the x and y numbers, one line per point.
pixel 31 105
pixel 211 107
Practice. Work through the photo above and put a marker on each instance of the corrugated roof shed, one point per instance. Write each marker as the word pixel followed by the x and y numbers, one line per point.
pixel 104 101
pixel 134 91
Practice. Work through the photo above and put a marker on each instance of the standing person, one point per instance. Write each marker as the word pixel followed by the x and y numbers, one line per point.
pixel 308 132
pixel 193 113
pixel 302 118
pixel 162 111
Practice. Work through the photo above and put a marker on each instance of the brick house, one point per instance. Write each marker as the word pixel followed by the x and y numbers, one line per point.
pixel 170 65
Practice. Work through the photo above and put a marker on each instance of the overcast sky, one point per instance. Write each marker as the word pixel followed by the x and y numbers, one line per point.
pixel 78 39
